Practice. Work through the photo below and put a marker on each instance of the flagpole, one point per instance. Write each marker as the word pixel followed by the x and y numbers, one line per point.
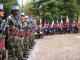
pixel 22 5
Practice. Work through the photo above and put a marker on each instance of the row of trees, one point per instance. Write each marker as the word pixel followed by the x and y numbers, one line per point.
pixel 47 9
pixel 55 8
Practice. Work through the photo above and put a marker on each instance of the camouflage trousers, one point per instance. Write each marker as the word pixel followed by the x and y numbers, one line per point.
pixel 2 54
pixel 13 48
pixel 26 42
pixel 21 47
pixel 31 38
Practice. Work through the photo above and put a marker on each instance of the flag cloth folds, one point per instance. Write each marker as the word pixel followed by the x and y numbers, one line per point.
pixel 57 23
pixel 61 23
pixel 67 21
pixel 78 24
pixel 52 23
pixel 40 22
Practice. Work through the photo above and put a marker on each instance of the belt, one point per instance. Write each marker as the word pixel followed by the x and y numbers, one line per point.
pixel 2 43
pixel 26 33
pixel 20 34
pixel 11 32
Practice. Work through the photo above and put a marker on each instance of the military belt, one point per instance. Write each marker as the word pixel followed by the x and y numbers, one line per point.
pixel 20 34
pixel 11 32
pixel 26 33
pixel 2 43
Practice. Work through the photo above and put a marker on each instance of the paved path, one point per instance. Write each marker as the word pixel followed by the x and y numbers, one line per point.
pixel 57 47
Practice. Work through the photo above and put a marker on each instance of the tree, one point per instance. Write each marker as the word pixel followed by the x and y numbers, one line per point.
pixel 54 8
pixel 27 9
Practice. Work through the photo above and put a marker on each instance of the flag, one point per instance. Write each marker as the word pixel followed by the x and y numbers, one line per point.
pixel 57 23
pixel 61 23
pixel 78 24
pixel 45 24
pixel 67 21
pixel 40 22
pixel 52 23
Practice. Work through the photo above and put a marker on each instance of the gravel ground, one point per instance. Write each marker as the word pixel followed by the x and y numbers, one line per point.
pixel 56 47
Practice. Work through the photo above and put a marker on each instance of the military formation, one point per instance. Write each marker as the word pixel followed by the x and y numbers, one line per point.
pixel 17 33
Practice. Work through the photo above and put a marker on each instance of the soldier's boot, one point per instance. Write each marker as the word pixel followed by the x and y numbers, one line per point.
pixel 27 49
pixel 30 47
pixel 33 43
pixel 24 59
pixel 25 55
pixel 20 55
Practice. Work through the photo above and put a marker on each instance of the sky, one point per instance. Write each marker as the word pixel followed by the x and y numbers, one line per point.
pixel 24 2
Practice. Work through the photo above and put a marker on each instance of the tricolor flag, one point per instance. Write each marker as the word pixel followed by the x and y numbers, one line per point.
pixel 57 23
pixel 61 23
pixel 40 22
pixel 52 23
pixel 67 21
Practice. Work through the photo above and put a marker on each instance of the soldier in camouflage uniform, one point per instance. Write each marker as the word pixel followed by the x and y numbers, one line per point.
pixel 2 38
pixel 32 35
pixel 13 40
pixel 21 30
pixel 26 35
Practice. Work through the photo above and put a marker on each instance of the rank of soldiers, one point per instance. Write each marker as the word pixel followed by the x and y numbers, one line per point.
pixel 16 35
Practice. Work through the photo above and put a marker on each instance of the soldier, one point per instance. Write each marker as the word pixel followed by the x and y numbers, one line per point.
pixel 2 37
pixel 21 31
pixel 13 41
pixel 27 35
pixel 32 28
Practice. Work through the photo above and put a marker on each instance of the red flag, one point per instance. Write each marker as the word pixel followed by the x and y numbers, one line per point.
pixel 78 24
pixel 52 24
pixel 57 23
pixel 67 21
pixel 61 24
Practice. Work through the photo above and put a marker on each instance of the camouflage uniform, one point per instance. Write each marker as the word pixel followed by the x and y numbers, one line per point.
pixel 2 37
pixel 32 30
pixel 13 40
pixel 22 38
pixel 2 44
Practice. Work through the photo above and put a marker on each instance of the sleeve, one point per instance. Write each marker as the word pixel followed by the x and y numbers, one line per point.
pixel 10 24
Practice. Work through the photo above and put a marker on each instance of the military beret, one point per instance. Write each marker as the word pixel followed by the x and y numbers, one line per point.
pixel 21 14
pixel 1 7
pixel 15 8
pixel 26 17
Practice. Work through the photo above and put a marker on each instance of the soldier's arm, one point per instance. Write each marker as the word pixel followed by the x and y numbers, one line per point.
pixel 10 23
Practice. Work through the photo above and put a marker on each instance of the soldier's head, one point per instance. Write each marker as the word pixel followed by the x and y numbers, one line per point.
pixel 15 10
pixel 26 18
pixel 1 11
pixel 21 15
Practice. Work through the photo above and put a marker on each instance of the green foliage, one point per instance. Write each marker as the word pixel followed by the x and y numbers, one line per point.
pixel 56 8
